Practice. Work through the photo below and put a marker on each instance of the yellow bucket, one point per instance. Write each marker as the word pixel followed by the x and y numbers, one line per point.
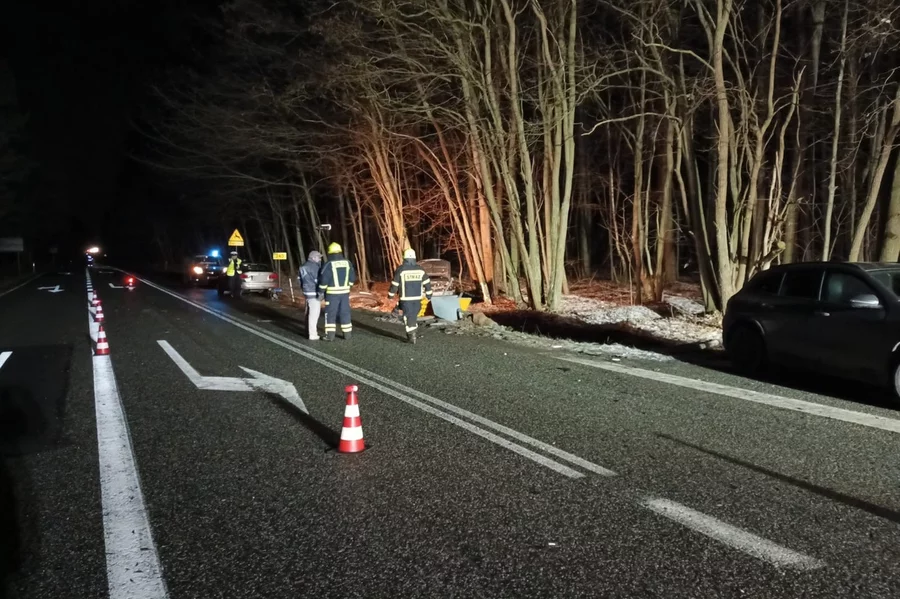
pixel 464 303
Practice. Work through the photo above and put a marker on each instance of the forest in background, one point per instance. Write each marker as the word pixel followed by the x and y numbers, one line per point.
pixel 535 141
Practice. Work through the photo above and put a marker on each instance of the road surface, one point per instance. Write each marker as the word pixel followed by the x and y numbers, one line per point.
pixel 197 460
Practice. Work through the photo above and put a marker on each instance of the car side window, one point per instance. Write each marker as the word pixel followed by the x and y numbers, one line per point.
pixel 841 287
pixel 802 284
pixel 766 283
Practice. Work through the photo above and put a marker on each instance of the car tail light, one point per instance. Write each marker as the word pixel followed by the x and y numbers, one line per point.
pixel 245 276
pixel 273 277
pixel 130 280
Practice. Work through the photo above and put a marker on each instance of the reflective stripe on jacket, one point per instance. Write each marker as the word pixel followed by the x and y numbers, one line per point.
pixel 336 276
pixel 411 281
pixel 234 265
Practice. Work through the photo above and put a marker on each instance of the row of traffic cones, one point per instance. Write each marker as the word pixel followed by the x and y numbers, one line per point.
pixel 102 348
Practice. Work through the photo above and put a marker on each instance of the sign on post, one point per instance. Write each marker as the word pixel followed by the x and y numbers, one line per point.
pixel 236 240
pixel 12 244
pixel 279 256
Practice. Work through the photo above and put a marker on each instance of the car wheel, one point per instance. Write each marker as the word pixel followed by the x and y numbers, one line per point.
pixel 747 350
pixel 895 380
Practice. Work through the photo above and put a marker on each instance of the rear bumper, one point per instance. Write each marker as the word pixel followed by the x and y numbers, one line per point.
pixel 259 285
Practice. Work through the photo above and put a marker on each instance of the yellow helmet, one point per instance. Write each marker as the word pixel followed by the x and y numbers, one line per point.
pixel 409 254
pixel 335 248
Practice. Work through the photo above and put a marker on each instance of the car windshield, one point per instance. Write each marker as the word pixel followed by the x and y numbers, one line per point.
pixel 888 278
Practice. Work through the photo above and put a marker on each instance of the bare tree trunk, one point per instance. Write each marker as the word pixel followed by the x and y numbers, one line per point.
pixel 726 267
pixel 297 220
pixel 859 235
pixel 890 249
pixel 836 136
pixel 359 234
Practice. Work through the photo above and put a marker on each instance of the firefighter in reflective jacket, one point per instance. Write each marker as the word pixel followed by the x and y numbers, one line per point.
pixel 413 284
pixel 335 279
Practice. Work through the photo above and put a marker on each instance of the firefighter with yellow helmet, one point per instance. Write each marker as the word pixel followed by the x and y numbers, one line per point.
pixel 335 279
pixel 413 283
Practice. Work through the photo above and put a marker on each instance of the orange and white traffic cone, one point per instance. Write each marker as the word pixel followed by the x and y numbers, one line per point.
pixel 95 302
pixel 352 433
pixel 98 317
pixel 102 343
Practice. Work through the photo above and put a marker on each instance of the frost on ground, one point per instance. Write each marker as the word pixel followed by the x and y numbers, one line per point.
pixel 488 328
pixel 687 323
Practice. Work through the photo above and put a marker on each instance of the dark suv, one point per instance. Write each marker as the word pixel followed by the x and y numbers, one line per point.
pixel 837 318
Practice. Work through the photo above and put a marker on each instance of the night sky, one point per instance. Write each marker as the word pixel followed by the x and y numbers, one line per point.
pixel 82 71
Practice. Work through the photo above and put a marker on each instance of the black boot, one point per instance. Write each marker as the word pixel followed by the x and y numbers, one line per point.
pixel 328 337
pixel 347 336
pixel 411 337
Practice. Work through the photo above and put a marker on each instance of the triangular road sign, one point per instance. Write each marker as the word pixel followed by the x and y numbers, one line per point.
pixel 236 239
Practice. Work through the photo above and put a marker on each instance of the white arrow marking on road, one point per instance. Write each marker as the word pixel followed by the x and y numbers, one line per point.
pixel 50 289
pixel 116 286
pixel 4 356
pixel 259 382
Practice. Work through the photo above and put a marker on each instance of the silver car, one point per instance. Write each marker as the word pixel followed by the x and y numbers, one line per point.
pixel 259 278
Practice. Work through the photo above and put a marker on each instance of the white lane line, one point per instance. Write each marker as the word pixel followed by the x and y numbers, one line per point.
pixel 732 536
pixel 20 285
pixel 786 403
pixel 4 356
pixel 132 563
pixel 371 379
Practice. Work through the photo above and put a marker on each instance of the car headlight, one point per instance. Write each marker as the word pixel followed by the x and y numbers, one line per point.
pixel 198 270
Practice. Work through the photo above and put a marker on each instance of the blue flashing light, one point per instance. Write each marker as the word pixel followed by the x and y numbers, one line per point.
pixel 214 253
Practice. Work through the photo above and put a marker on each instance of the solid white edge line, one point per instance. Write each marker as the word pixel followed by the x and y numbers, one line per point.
pixel 732 536
pixel 22 284
pixel 786 403
pixel 536 457
pixel 132 562
pixel 4 356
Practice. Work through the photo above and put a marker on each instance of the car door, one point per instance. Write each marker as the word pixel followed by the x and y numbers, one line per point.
pixel 851 340
pixel 788 336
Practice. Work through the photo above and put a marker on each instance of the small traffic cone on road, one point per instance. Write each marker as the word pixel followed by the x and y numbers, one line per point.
pixel 96 301
pixel 102 343
pixel 98 317
pixel 352 433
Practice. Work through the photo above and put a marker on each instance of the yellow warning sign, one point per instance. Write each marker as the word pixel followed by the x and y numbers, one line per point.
pixel 236 239
pixel 279 256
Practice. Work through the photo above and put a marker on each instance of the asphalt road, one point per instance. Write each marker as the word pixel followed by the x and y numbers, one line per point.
pixel 492 470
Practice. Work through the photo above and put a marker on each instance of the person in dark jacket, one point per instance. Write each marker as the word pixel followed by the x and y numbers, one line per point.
pixel 335 279
pixel 309 283
pixel 413 283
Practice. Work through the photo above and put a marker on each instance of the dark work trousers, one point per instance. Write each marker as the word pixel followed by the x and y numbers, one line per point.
pixel 234 284
pixel 337 312
pixel 410 309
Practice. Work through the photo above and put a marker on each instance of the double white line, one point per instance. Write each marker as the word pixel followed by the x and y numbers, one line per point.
pixel 422 401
